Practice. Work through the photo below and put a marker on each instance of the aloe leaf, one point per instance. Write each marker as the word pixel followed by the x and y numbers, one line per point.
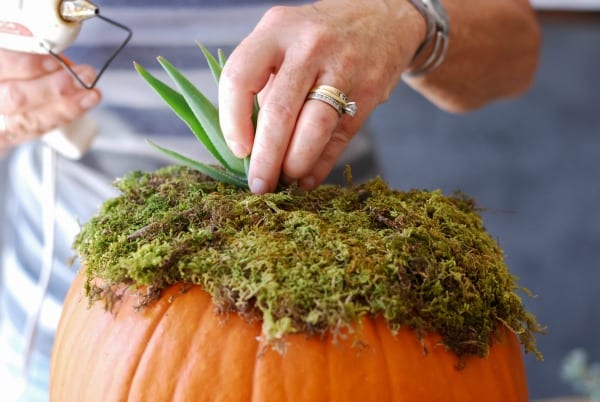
pixel 209 170
pixel 255 113
pixel 222 58
pixel 207 114
pixel 178 104
pixel 213 64
pixel 246 165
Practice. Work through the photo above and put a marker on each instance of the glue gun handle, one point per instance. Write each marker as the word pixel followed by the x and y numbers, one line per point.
pixel 73 140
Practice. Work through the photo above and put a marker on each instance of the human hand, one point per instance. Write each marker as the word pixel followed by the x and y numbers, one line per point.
pixel 37 95
pixel 361 48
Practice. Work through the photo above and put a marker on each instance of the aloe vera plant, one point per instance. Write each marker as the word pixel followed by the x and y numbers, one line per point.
pixel 202 117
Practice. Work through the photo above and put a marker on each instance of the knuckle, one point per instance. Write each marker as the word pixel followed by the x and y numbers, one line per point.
pixel 313 40
pixel 276 113
pixel 338 142
pixel 275 15
pixel 262 161
pixel 232 77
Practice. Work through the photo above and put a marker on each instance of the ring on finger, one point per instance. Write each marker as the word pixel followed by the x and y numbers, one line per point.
pixel 4 129
pixel 334 98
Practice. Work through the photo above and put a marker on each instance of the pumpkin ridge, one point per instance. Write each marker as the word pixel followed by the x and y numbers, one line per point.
pixel 149 334
pixel 201 346
pixel 254 374
pixel 189 357
pixel 510 389
pixel 376 329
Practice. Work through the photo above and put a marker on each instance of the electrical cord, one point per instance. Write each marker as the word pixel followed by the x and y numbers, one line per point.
pixel 74 193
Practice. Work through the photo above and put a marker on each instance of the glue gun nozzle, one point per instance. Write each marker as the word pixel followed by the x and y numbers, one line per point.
pixel 77 10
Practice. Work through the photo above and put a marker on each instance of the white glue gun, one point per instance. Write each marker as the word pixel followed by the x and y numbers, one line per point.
pixel 49 27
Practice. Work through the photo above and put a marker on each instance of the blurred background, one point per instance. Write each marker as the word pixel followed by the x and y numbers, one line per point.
pixel 533 163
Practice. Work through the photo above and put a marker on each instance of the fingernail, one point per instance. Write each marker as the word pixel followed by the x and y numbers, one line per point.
pixel 237 149
pixel 258 186
pixel 50 64
pixel 89 100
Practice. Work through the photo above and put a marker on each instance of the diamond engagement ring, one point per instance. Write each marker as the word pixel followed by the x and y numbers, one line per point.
pixel 334 98
pixel 4 129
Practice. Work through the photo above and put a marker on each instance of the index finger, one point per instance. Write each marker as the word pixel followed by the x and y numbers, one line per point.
pixel 20 65
pixel 238 86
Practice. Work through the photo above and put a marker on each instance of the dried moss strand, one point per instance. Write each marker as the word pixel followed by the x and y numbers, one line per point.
pixel 312 262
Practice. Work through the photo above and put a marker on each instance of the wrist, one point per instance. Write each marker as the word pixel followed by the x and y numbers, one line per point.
pixel 432 51
pixel 409 28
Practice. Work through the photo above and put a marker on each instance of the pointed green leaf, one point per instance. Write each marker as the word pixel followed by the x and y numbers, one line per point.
pixel 207 115
pixel 221 57
pixel 255 112
pixel 178 104
pixel 213 64
pixel 209 170
pixel 246 165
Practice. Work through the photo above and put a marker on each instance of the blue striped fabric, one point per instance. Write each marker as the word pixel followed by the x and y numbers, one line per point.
pixel 129 113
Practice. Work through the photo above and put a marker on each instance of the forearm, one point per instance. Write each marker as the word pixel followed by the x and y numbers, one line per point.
pixel 492 54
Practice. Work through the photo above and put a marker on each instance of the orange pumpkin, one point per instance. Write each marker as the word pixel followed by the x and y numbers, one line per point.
pixel 177 226
pixel 179 349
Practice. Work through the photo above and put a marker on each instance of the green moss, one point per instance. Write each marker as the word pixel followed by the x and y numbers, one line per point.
pixel 311 262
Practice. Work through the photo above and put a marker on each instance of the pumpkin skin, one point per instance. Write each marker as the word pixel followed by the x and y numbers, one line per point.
pixel 179 349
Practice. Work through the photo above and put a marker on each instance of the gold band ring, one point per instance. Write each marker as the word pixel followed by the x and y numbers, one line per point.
pixel 334 98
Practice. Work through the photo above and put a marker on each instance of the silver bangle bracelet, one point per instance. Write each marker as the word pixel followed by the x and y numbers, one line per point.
pixel 438 30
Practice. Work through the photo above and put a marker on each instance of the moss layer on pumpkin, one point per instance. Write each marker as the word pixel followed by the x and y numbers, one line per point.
pixel 310 262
